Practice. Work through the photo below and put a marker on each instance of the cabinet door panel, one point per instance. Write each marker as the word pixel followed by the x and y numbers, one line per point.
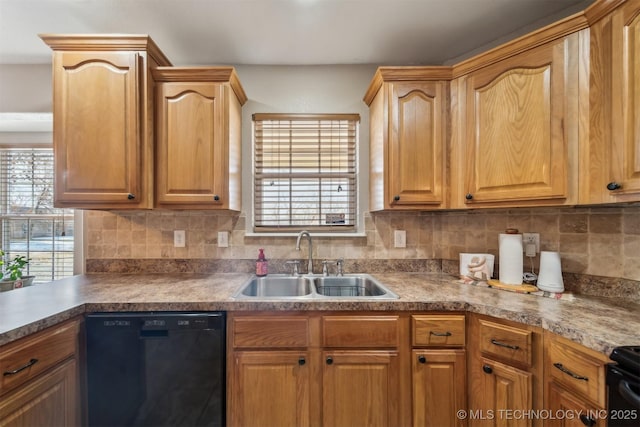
pixel 271 389
pixel 518 126
pixel 439 388
pixel 501 390
pixel 51 400
pixel 625 118
pixel 96 139
pixel 572 411
pixel 360 388
pixel 416 146
pixel 191 143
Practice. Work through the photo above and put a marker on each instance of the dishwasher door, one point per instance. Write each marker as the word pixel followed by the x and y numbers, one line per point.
pixel 156 369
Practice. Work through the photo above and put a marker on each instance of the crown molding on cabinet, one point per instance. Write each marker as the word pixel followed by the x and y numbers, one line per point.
pixel 202 74
pixel 97 42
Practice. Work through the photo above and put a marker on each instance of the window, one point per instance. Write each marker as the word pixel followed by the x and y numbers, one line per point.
pixel 31 226
pixel 305 172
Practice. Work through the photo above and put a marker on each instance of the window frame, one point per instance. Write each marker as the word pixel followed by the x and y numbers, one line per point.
pixel 355 230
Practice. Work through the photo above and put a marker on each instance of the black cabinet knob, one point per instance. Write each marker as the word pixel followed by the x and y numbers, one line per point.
pixel 396 198
pixel 469 196
pixel 613 186
pixel 329 360
pixel 422 359
pixel 216 197
pixel 487 369
pixel 131 196
pixel 588 421
pixel 301 361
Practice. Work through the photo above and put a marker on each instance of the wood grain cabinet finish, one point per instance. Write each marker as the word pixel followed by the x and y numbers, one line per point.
pixel 318 369
pixel 517 128
pixel 40 382
pixel 611 158
pixel 103 120
pixel 408 130
pixel 198 139
pixel 504 377
pixel 575 381
pixel 438 370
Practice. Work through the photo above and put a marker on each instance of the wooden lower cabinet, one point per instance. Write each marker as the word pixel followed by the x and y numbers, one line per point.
pixel 39 385
pixel 50 400
pixel 568 410
pixel 360 388
pixel 505 360
pixel 274 389
pixel 439 387
pixel 502 395
pixel 318 369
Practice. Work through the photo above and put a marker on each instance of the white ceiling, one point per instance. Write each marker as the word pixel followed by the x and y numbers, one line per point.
pixel 291 32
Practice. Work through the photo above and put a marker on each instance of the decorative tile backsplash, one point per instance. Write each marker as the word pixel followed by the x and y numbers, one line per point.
pixel 596 241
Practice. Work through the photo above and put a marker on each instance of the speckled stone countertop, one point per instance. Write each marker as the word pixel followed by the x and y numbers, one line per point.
pixel 597 323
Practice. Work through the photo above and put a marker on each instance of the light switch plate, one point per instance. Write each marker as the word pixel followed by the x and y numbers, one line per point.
pixel 179 239
pixel 223 239
pixel 400 239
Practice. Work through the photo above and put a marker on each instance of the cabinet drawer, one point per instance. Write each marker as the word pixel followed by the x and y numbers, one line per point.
pixel 28 357
pixel 437 330
pixel 506 342
pixel 261 332
pixel 578 371
pixel 360 331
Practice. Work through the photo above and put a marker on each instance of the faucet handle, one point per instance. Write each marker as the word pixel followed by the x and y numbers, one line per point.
pixel 339 263
pixel 296 267
pixel 325 269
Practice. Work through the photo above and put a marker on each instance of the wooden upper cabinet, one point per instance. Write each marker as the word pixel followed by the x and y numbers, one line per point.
pixel 612 156
pixel 198 140
pixel 517 128
pixel 408 124
pixel 103 115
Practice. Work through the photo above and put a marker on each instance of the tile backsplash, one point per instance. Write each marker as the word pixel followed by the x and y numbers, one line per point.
pixel 598 241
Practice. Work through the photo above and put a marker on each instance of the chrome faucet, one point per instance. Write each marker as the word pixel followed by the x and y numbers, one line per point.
pixel 306 233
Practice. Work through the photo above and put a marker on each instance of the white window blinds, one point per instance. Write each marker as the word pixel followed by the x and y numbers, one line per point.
pixel 305 172
pixel 31 226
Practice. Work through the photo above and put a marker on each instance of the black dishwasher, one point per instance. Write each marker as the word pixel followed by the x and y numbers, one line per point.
pixel 156 369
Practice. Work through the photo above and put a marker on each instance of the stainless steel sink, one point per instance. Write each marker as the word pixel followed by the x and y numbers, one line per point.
pixel 348 286
pixel 278 286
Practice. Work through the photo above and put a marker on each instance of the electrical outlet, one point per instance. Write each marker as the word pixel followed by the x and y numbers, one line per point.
pixel 179 239
pixel 531 239
pixel 223 239
pixel 400 239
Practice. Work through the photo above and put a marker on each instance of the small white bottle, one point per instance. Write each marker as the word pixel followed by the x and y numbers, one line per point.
pixel 261 265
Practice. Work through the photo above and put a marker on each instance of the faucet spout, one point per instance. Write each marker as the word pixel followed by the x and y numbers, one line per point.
pixel 306 234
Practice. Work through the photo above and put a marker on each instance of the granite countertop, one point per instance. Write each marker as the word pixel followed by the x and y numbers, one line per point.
pixel 597 323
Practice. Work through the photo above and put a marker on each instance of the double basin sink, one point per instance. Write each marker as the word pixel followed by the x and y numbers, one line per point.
pixel 277 286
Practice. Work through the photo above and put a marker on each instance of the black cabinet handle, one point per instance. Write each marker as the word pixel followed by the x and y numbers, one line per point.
pixel 329 360
pixel 396 198
pixel 216 197
pixel 588 421
pixel 613 186
pixel 422 359
pixel 131 196
pixel 568 372
pixel 502 344
pixel 440 334
pixel 21 368
pixel 487 369
pixel 469 196
pixel 301 361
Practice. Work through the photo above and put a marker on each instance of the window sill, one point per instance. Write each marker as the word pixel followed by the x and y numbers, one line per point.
pixel 358 234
